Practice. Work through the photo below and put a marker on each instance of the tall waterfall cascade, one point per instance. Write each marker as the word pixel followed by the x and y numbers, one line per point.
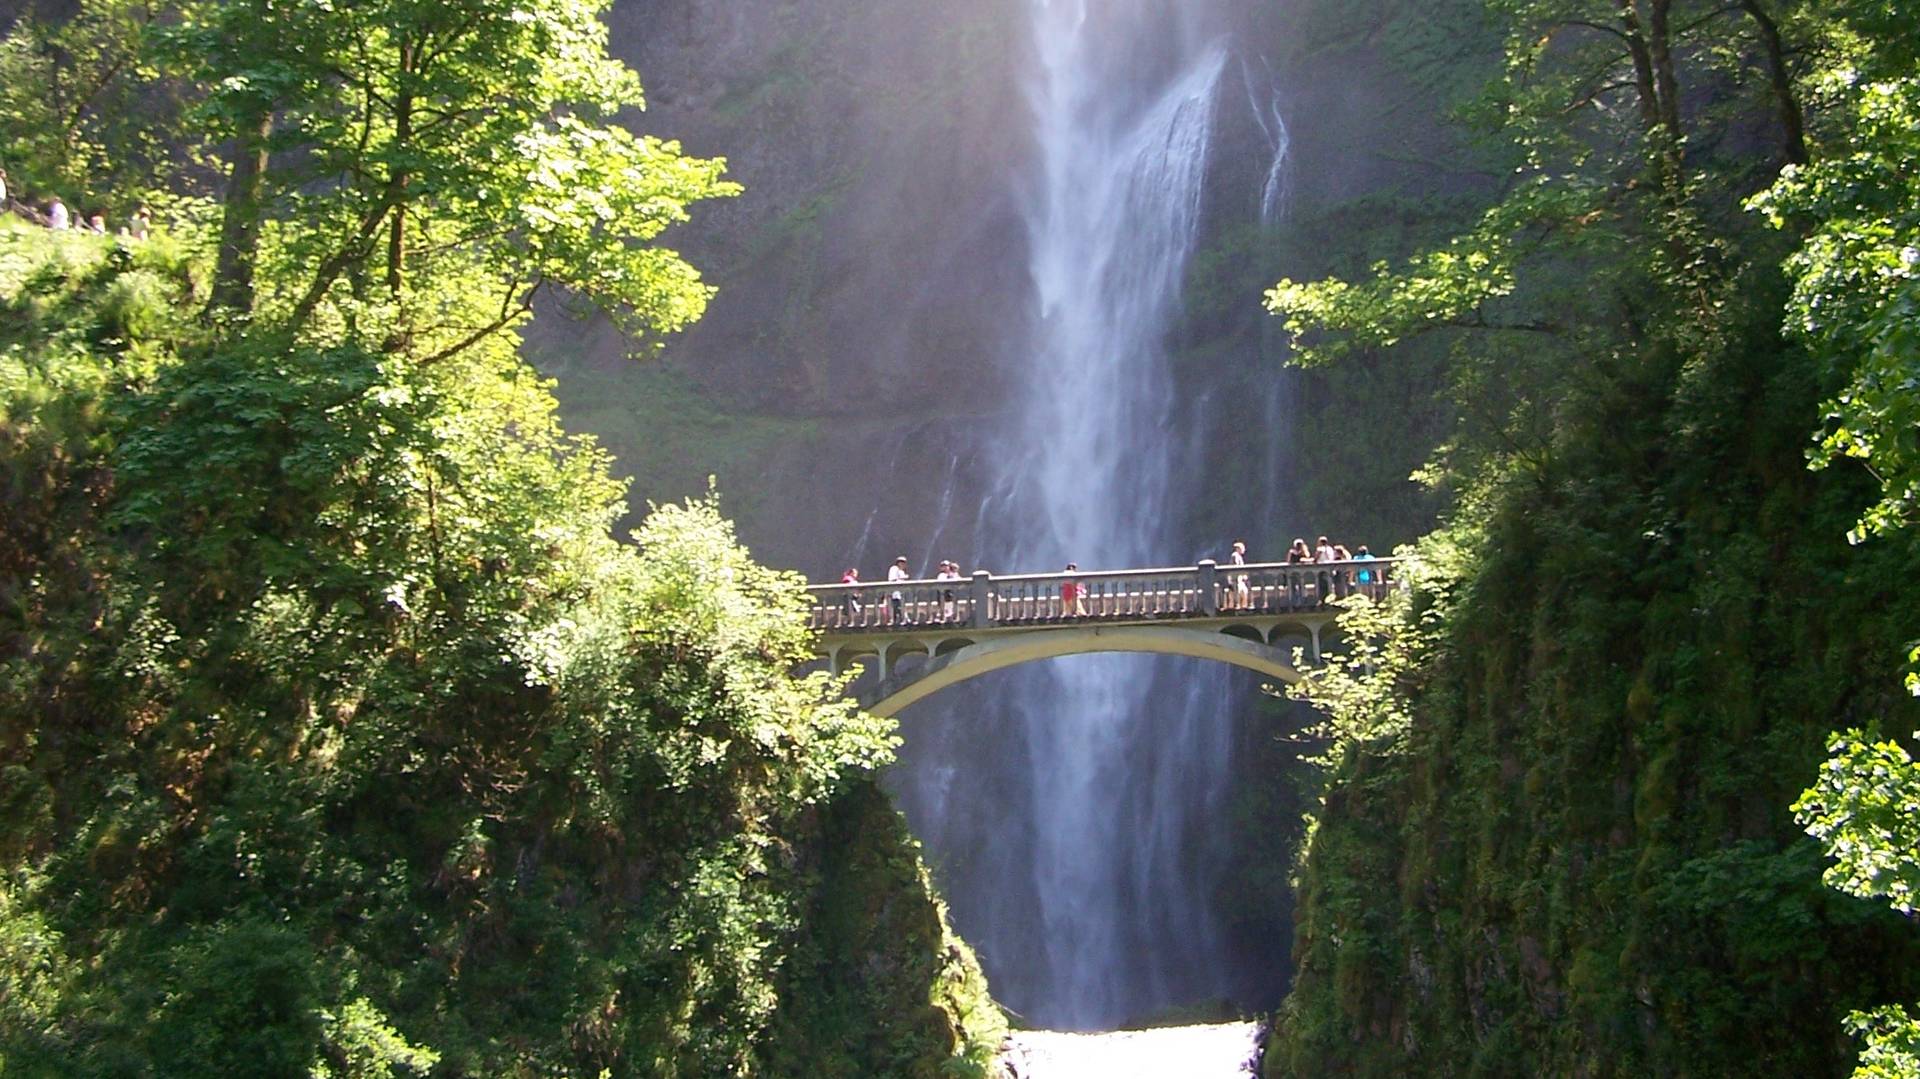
pixel 1072 805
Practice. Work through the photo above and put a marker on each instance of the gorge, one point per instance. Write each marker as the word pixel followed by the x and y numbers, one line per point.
pixel 1077 812
pixel 396 677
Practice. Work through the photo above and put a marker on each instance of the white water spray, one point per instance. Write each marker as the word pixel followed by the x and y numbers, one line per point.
pixel 1273 125
pixel 1114 771
pixel 1074 810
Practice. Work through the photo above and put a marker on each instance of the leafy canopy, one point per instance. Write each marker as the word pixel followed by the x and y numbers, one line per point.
pixel 1856 304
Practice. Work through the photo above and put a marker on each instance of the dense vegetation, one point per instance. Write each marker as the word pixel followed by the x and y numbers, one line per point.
pixel 1562 826
pixel 339 735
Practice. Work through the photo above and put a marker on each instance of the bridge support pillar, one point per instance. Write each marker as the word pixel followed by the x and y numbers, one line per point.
pixel 980 597
pixel 1208 585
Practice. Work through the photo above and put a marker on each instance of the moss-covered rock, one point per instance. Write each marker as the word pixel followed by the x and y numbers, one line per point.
pixel 879 985
pixel 1580 860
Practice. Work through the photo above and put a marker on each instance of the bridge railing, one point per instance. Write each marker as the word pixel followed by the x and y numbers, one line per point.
pixel 858 608
pixel 1130 595
pixel 1204 591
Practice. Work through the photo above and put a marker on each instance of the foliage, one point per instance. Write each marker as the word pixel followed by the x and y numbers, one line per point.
pixel 1363 693
pixel 1856 304
pixel 1649 626
pixel 875 947
pixel 428 139
pixel 85 111
pixel 1855 299
pixel 340 735
pixel 1865 809
pixel 363 1046
pixel 342 738
pixel 1606 225
pixel 1893 1043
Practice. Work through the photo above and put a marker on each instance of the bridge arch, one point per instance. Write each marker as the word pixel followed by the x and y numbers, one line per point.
pixel 973 659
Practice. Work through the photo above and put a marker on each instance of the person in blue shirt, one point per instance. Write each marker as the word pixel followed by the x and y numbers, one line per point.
pixel 1367 577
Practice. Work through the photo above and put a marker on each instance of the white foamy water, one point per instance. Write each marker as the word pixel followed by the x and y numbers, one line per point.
pixel 1112 223
pixel 1081 843
pixel 1209 1052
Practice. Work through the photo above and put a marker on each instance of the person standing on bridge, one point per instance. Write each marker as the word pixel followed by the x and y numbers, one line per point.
pixel 851 578
pixel 1323 556
pixel 897 600
pixel 1343 579
pixel 1297 555
pixel 1073 595
pixel 1367 576
pixel 1239 595
pixel 949 571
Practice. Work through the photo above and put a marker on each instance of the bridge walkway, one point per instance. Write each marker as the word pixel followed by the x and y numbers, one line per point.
pixel 997 621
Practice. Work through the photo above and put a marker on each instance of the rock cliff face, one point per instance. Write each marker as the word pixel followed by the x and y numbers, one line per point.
pixel 874 142
pixel 874 286
pixel 1579 860
pixel 866 276
pixel 873 280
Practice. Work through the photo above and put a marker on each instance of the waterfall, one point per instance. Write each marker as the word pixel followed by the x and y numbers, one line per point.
pixel 1110 227
pixel 1102 775
pixel 1273 126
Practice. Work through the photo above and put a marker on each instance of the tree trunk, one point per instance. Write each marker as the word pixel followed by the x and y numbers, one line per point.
pixel 1666 80
pixel 1793 125
pixel 1657 84
pixel 240 219
pixel 1646 93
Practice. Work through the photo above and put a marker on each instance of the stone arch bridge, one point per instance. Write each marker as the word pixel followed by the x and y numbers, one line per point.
pixel 1249 616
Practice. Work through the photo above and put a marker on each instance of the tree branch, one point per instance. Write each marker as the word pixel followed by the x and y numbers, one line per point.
pixel 508 312
pixel 336 263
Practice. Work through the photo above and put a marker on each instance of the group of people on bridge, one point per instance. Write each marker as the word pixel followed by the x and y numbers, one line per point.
pixel 897 574
pixel 940 599
pixel 1330 583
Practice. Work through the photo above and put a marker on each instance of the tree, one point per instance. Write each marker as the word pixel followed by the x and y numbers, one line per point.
pixel 1611 222
pixel 413 755
pixel 86 112
pixel 1856 303
pixel 1856 298
pixel 387 140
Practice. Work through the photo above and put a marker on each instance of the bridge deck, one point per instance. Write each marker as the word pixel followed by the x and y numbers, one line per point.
pixel 1207 593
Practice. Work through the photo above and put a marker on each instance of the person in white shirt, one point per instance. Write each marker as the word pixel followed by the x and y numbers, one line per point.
pixel 1323 555
pixel 57 214
pixel 896 600
pixel 949 571
pixel 1240 596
